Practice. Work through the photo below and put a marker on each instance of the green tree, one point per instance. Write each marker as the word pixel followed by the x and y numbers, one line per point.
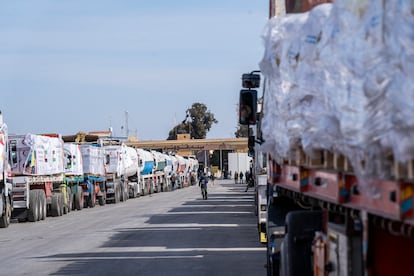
pixel 198 122
pixel 242 131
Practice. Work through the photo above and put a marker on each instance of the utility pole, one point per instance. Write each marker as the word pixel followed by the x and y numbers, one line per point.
pixel 126 124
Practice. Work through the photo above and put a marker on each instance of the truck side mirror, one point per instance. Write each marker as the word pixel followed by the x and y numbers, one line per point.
pixel 248 107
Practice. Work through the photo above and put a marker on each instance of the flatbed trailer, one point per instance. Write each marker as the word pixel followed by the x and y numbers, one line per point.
pixel 35 197
pixel 358 228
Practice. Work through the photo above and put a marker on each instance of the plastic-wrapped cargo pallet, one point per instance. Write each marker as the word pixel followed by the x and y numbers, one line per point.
pixel 73 159
pixel 36 155
pixel 3 143
pixel 93 159
pixel 340 78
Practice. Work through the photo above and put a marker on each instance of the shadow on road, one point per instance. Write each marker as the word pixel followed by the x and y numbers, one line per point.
pixel 217 236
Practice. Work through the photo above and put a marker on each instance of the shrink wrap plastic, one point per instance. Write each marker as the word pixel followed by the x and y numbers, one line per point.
pixel 73 159
pixel 130 161
pixel 146 161
pixel 121 160
pixel 36 155
pixel 93 159
pixel 3 140
pixel 340 78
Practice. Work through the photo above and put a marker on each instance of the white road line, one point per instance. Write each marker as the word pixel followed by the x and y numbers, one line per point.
pixel 207 212
pixel 151 249
pixel 195 225
pixel 124 258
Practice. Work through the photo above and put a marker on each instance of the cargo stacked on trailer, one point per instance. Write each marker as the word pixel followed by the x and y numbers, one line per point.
pixel 160 181
pixel 116 182
pixel 6 200
pixel 94 178
pixel 74 174
pixel 146 166
pixel 38 178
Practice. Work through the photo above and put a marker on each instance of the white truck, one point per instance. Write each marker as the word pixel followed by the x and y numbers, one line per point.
pixel 146 165
pixel 116 180
pixel 160 179
pixel 74 177
pixel 132 172
pixel 239 162
pixel 6 203
pixel 38 179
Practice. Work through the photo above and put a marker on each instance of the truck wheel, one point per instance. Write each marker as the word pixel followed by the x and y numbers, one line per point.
pixel 43 205
pixel 136 189
pixel 34 206
pixel 78 200
pixel 101 200
pixel 61 204
pixel 68 205
pixel 92 200
pixel 132 192
pixel 55 206
pixel 117 195
pixel 5 218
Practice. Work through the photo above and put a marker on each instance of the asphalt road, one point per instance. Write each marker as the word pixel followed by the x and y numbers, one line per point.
pixel 172 233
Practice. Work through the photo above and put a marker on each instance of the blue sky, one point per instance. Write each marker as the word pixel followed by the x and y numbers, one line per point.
pixel 79 65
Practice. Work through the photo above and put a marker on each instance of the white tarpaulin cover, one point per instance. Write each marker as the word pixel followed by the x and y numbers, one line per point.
pixel 73 159
pixel 3 142
pixel 36 155
pixel 121 160
pixel 93 159
pixel 130 161
pixel 340 78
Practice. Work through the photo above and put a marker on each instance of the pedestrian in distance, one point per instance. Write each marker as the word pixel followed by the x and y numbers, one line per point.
pixel 249 181
pixel 203 185
pixel 173 179
pixel 241 177
pixel 236 177
pixel 212 177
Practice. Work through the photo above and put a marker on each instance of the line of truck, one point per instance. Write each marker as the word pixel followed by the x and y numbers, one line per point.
pixel 50 175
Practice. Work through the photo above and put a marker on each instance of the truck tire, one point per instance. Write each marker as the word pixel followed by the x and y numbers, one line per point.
pixel 132 191
pixel 136 189
pixel 78 202
pixel 92 198
pixel 61 204
pixel 117 193
pixel 43 205
pixel 34 206
pixel 123 192
pixel 5 218
pixel 68 205
pixel 101 200
pixel 55 206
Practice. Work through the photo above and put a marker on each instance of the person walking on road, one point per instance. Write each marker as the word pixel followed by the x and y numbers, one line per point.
pixel 236 177
pixel 241 177
pixel 203 185
pixel 249 181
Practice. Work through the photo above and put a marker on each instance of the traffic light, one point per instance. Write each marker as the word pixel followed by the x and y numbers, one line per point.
pixel 250 80
pixel 248 107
